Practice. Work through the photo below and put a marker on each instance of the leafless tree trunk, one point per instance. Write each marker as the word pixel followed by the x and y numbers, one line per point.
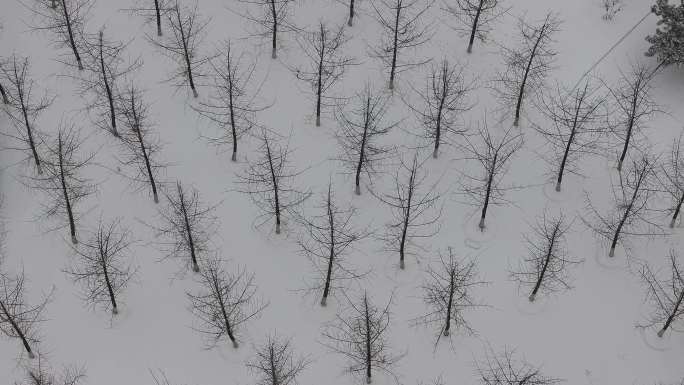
pixel 633 104
pixel 672 179
pixel 23 107
pixel 352 13
pixel 187 227
pixel 233 104
pixel 268 181
pixel 361 336
pixel 527 67
pixel 67 22
pixel 5 99
pixel 101 267
pixel 276 363
pixel 272 20
pixel 631 215
pixel 666 295
pixel 403 33
pixel 99 86
pixel 153 11
pixel 327 64
pixel 361 128
pixel 493 154
pixel 224 303
pixel 19 319
pixel 328 238
pixel 442 101
pixel 580 119
pixel 546 269
pixel 140 144
pixel 183 46
pixel 62 180
pixel 415 210
pixel 475 17
pixel 447 292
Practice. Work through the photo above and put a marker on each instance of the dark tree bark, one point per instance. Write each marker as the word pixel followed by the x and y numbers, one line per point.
pixel 268 181
pixel 415 210
pixel 402 31
pixel 234 103
pixel 361 336
pixel 475 18
pixel 23 108
pixel 100 266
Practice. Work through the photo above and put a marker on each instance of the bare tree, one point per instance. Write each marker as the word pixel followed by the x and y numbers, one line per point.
pixel 326 64
pixel 23 106
pixel 475 17
pixel 101 266
pixel 546 269
pixel 580 119
pixel 18 318
pixel 276 363
pixel 352 13
pixel 505 369
pixel 233 104
pixel 224 303
pixel 272 19
pixel 183 45
pixel 187 227
pixel 672 179
pixel 62 181
pixel 42 374
pixel 361 128
pixel 403 33
pixel 140 144
pixel 328 239
pixel 442 102
pixel 362 337
pixel 415 210
pixel 665 294
pixel 634 105
pixel 447 292
pixel 269 182
pixel 493 154
pixel 105 69
pixel 153 11
pixel 3 93
pixel 66 21
pixel 630 216
pixel 528 66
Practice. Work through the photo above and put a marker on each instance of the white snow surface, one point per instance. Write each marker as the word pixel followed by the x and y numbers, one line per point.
pixel 586 335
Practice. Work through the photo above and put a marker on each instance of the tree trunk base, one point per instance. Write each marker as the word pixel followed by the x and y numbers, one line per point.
pixel 619 165
pixel 470 48
pixel 558 187
pixel 274 55
pixel 660 333
pixel 233 158
pixel 318 121
pixel 357 190
pixel 277 231
pixel 446 333
pixel 531 297
pixel 194 93
pixel 31 356
pixel 115 311
pixel 324 301
pixel 611 253
pixel 516 121
pixel 74 240
pixel 349 22
pixel 673 222
pixel 155 197
pixel 80 66
pixel 235 345
pixel 481 225
pixel 435 153
pixel 368 380
pixel 195 268
pixel 159 32
pixel 402 265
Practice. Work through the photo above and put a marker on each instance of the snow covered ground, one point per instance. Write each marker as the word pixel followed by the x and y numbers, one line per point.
pixel 585 336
